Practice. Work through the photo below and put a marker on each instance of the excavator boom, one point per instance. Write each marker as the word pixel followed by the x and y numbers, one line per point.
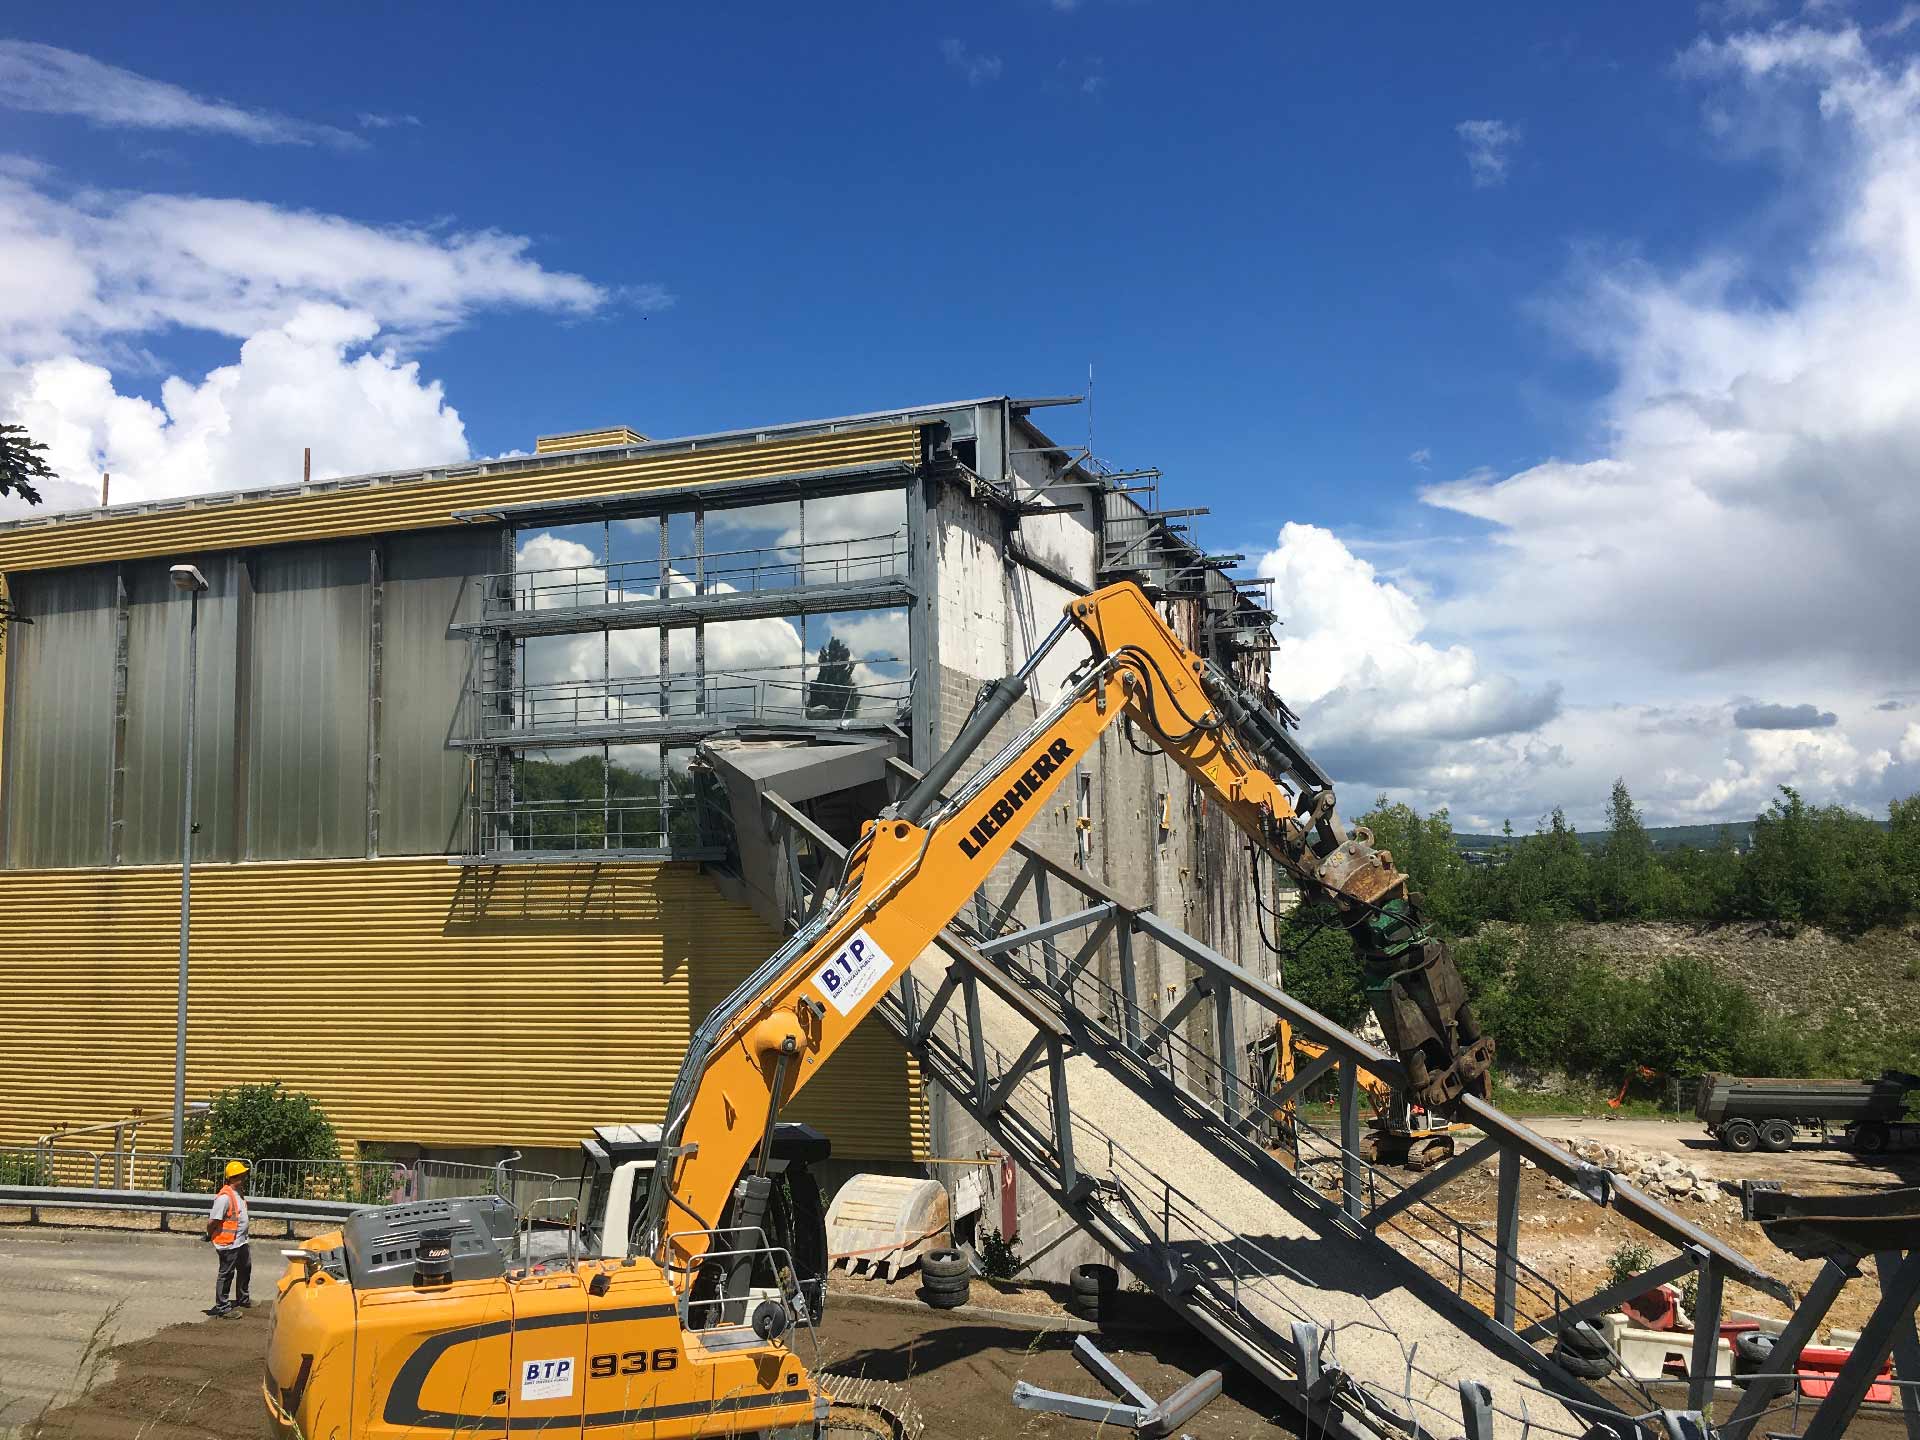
pixel 916 866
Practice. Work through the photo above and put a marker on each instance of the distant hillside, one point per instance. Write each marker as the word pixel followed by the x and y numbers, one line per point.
pixel 1664 837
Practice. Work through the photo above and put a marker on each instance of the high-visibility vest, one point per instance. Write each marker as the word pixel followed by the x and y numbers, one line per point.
pixel 228 1229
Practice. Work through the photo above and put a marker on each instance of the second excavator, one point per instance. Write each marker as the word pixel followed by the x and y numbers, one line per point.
pixel 412 1322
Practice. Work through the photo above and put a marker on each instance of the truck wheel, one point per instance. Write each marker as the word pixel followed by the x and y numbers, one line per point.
pixel 1740 1136
pixel 1776 1135
pixel 1870 1139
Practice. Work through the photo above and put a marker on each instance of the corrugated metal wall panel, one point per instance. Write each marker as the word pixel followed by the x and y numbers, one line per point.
pixel 428 504
pixel 419 1002
pixel 60 745
pixel 157 708
pixel 430 586
pixel 307 726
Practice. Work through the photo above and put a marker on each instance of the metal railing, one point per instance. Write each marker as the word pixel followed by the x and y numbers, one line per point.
pixel 68 1165
pixel 1071 974
pixel 751 570
pixel 637 705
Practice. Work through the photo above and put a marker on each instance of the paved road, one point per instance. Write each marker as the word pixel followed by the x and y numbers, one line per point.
pixel 1820 1167
pixel 68 1295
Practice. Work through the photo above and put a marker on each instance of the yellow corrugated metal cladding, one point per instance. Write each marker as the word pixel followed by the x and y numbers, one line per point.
pixel 388 506
pixel 419 1002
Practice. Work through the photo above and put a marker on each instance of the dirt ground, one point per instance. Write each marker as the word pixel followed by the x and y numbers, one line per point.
pixel 201 1381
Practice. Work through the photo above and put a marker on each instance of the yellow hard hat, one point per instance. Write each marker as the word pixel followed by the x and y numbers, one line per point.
pixel 235 1167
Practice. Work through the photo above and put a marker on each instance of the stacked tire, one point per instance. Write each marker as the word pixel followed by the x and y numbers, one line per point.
pixel 1751 1350
pixel 1094 1287
pixel 1581 1350
pixel 946 1277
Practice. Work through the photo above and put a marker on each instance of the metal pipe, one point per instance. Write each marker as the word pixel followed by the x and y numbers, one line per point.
pixel 995 699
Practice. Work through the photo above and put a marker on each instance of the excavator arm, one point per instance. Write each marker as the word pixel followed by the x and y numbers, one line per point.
pixel 915 867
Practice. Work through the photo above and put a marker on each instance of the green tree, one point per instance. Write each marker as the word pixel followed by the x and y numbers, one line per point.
pixel 831 694
pixel 21 465
pixel 1321 969
pixel 1624 873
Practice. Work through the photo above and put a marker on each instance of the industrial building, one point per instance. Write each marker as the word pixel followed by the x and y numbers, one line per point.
pixel 481 756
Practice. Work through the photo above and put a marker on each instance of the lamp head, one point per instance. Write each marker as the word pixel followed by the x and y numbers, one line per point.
pixel 187 577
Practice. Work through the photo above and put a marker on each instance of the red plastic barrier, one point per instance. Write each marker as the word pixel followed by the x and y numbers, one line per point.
pixel 1820 1364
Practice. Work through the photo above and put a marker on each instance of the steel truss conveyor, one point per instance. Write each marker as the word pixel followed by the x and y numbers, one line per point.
pixel 1029 1014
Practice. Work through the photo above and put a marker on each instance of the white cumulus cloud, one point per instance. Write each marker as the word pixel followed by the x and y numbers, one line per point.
pixel 1489 146
pixel 327 312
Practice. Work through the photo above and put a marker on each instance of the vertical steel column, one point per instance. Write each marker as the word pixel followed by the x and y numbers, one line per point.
pixel 1352 1175
pixel 1774 1377
pixel 1129 986
pixel 1906 1348
pixel 1043 905
pixel 1506 1237
pixel 1062 1113
pixel 1229 1058
pixel 666 649
pixel 1706 1334
pixel 700 626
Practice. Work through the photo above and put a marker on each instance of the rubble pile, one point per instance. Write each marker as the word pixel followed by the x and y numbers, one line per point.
pixel 1664 1177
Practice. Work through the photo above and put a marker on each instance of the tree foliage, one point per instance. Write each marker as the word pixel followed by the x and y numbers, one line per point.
pixel 831 694
pixel 20 464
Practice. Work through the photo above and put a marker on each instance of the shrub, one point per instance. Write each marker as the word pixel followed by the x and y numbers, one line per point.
pixel 1321 969
pixel 259 1121
pixel 999 1257
pixel 1628 1259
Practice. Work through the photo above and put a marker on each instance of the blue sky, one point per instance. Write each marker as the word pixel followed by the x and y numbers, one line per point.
pixel 1265 228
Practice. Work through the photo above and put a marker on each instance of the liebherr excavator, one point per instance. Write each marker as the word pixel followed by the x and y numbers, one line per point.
pixel 410 1323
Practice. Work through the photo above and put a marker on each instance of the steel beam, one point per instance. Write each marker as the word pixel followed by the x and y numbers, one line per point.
pixel 1906 1348
pixel 1046 929
pixel 1601 1301
pixel 1777 1374
pixel 1506 1238
pixel 1015 1073
pixel 1706 1333
pixel 1898 1295
pixel 1429 1182
pixel 1352 1173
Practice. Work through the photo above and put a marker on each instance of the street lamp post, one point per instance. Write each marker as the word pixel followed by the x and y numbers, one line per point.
pixel 186 578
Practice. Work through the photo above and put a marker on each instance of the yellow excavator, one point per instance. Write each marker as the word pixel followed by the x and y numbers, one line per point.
pixel 1399 1131
pixel 425 1320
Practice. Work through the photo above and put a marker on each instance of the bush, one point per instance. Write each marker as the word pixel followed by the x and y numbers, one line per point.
pixel 256 1122
pixel 998 1257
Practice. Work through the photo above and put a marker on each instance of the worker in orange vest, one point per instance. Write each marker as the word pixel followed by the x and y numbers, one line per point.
pixel 227 1229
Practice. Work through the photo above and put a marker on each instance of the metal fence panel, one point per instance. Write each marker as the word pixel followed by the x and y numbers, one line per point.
pixel 307 764
pixel 60 718
pixel 157 617
pixel 431 584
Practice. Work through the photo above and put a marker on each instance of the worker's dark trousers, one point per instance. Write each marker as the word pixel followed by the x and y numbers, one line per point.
pixel 236 1274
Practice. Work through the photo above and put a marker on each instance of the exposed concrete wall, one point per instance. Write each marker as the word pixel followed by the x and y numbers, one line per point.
pixel 1155 839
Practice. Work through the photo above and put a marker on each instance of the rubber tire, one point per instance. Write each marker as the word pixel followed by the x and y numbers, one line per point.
pixel 946 1284
pixel 945 1262
pixel 1581 1338
pixel 1776 1136
pixel 1740 1136
pixel 1871 1139
pixel 1586 1367
pixel 1752 1348
pixel 1098 1281
pixel 943 1300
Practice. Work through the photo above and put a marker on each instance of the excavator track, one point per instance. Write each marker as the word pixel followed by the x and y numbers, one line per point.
pixel 862 1408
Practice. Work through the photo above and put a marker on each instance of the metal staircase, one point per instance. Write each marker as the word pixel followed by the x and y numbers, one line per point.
pixel 1367 1306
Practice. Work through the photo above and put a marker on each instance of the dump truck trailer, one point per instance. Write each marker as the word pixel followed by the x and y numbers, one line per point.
pixel 1747 1113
